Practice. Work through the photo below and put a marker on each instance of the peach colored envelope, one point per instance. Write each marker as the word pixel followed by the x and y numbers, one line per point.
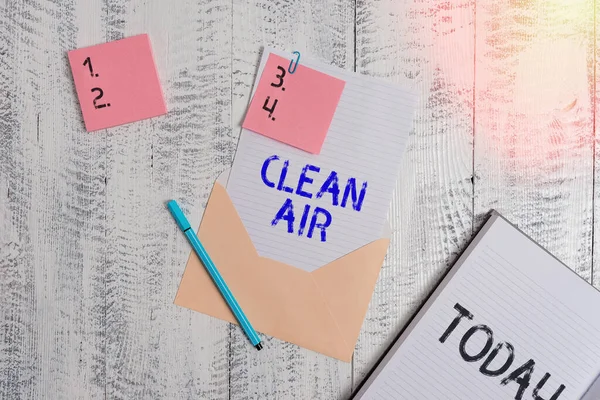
pixel 322 310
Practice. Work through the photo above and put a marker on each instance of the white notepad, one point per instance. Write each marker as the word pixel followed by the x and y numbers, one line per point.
pixel 365 141
pixel 505 295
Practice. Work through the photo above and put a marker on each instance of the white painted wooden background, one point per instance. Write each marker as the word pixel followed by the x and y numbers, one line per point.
pixel 90 260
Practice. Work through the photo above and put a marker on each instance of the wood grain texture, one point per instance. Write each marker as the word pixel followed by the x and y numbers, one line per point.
pixel 534 122
pixel 595 273
pixel 156 350
pixel 323 30
pixel 429 46
pixel 90 260
pixel 52 241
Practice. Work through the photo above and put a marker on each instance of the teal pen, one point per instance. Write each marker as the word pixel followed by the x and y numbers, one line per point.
pixel 184 225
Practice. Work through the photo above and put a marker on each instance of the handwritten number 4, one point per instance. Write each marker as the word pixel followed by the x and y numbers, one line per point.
pixel 272 109
pixel 266 107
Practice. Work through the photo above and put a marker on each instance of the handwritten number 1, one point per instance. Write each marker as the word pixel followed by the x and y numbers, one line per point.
pixel 88 62
pixel 280 76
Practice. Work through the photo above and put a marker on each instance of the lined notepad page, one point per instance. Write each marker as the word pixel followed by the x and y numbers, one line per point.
pixel 366 140
pixel 527 298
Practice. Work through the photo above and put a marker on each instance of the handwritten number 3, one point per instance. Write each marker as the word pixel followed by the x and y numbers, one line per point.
pixel 98 98
pixel 280 76
pixel 265 107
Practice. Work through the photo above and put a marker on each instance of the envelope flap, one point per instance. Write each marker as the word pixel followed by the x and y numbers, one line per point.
pixel 279 300
pixel 347 285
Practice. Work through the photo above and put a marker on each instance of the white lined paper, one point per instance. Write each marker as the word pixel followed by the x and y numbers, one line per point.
pixel 366 141
pixel 527 298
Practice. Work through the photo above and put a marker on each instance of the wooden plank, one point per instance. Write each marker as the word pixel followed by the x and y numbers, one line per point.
pixel 322 30
pixel 596 239
pixel 52 227
pixel 154 348
pixel 427 45
pixel 534 122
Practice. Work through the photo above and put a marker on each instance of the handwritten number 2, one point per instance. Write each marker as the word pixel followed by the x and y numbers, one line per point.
pixel 280 76
pixel 98 98
pixel 88 63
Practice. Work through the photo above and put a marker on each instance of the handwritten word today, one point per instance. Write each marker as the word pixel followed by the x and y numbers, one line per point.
pixel 330 189
pixel 505 351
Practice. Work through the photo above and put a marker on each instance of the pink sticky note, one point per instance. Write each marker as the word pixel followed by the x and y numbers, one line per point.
pixel 295 109
pixel 117 82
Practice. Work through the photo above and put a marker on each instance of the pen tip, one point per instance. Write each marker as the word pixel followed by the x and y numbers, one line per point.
pixel 259 346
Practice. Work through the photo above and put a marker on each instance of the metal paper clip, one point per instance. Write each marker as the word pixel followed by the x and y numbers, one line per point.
pixel 294 64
